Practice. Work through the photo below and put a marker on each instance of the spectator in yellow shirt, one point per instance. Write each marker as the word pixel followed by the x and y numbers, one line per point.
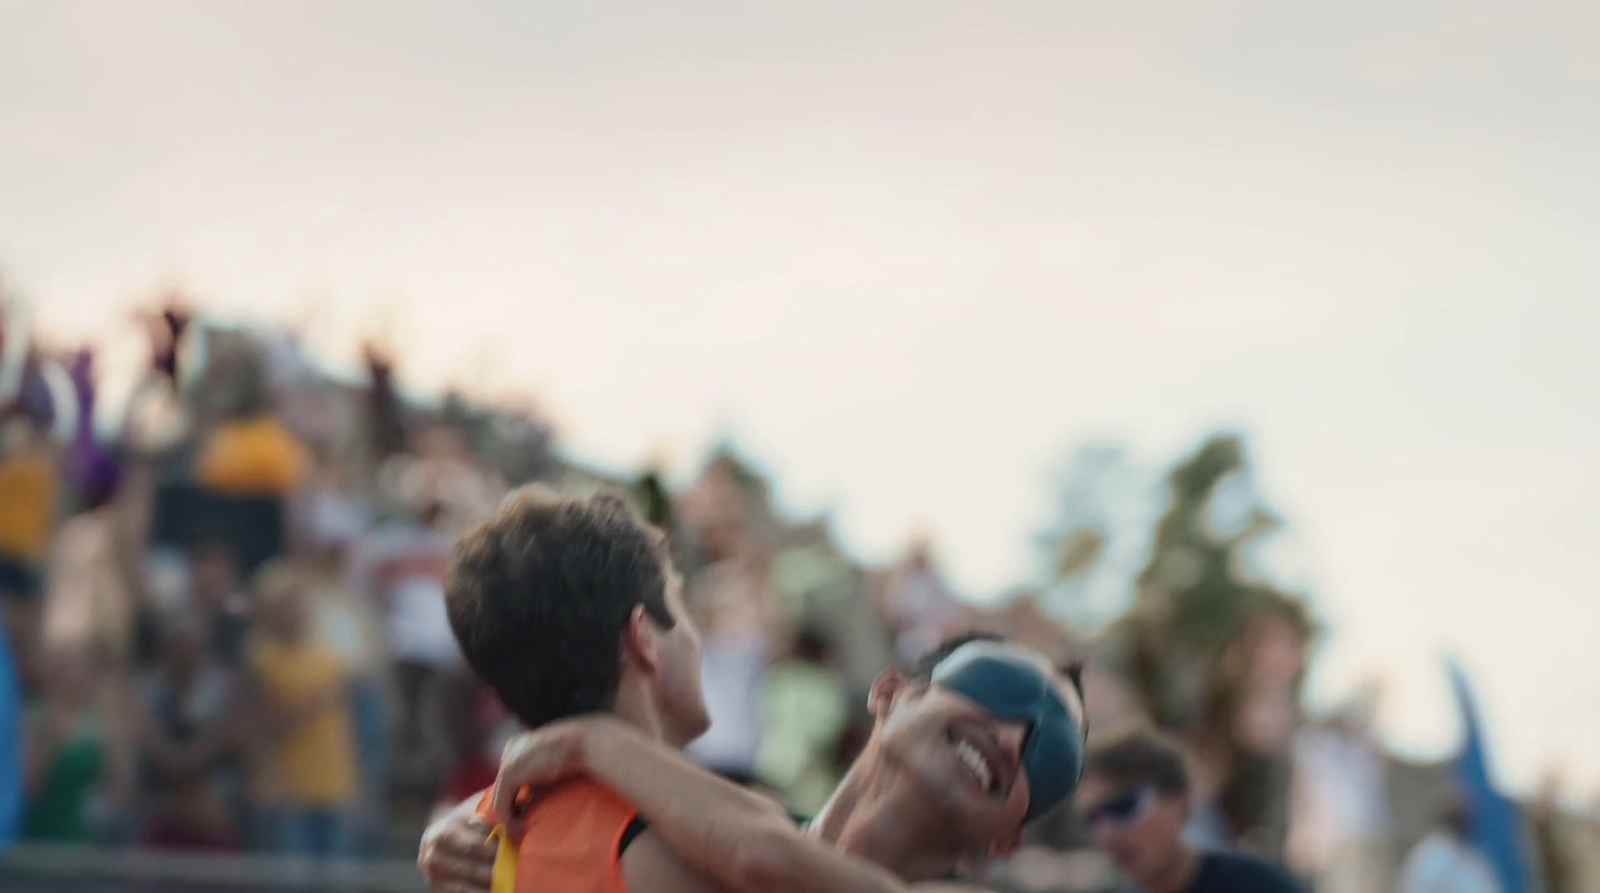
pixel 28 494
pixel 253 455
pixel 308 776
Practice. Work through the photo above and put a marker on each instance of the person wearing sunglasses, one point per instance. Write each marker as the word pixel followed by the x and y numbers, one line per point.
pixel 1134 799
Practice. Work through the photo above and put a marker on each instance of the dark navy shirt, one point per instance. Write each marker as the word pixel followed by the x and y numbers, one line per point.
pixel 1236 873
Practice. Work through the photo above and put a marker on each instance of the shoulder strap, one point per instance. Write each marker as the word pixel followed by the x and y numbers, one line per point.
pixel 635 828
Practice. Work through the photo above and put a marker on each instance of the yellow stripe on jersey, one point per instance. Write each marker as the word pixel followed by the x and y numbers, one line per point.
pixel 505 861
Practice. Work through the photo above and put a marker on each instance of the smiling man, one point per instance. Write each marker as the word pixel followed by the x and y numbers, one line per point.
pixel 1135 800
pixel 982 737
pixel 979 738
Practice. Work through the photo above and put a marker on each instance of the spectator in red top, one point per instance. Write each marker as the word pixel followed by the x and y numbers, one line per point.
pixel 481 734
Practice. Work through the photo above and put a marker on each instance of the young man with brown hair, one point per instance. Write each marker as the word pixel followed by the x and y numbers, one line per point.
pixel 1135 800
pixel 567 607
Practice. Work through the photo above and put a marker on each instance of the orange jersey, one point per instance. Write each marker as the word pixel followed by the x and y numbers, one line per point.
pixel 571 841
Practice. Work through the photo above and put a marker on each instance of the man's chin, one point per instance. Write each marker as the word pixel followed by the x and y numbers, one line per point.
pixel 1129 866
pixel 687 734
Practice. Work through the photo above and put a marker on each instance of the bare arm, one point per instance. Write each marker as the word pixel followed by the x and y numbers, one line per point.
pixel 726 833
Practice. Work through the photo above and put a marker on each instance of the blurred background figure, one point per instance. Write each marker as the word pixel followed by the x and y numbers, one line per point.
pixel 307 783
pixel 731 598
pixel 402 566
pixel 435 491
pixel 1340 828
pixel 921 609
pixel 1558 850
pixel 1135 801
pixel 732 606
pixel 1446 861
pixel 79 756
pixel 29 488
pixel 250 453
pixel 191 734
pixel 805 708
pixel 350 621
pixel 89 605
pixel 479 735
pixel 220 601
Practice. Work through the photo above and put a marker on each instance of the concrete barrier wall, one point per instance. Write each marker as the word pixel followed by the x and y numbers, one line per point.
pixel 30 868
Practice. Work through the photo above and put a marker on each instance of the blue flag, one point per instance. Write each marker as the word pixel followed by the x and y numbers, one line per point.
pixel 11 802
pixel 1497 828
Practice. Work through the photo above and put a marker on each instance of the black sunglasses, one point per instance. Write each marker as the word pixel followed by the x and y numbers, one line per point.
pixel 1122 810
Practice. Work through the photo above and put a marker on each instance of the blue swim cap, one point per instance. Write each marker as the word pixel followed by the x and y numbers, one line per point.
pixel 1014 689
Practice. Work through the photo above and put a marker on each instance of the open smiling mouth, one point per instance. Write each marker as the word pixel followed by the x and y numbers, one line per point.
pixel 972 758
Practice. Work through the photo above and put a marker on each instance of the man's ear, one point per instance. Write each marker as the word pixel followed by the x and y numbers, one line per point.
pixel 640 644
pixel 886 690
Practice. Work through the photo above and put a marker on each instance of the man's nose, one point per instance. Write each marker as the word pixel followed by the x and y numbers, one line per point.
pixel 1013 737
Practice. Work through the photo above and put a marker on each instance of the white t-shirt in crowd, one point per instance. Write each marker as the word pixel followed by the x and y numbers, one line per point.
pixel 1442 863
pixel 404 567
pixel 1344 797
pixel 733 665
pixel 732 668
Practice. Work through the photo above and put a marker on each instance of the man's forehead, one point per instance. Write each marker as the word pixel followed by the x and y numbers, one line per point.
pixel 1017 653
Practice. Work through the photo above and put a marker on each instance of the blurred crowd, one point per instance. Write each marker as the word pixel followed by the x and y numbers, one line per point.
pixel 225 613
pixel 225 608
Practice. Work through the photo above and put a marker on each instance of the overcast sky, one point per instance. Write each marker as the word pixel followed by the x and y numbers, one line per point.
pixel 911 254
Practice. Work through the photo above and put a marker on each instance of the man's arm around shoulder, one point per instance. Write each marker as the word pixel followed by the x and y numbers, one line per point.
pixel 650 866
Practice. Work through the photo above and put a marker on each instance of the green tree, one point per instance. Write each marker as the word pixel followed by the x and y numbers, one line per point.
pixel 1188 642
pixel 1099 538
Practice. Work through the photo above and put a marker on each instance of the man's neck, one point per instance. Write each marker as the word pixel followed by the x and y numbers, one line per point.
pixel 876 816
pixel 636 707
pixel 1179 874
